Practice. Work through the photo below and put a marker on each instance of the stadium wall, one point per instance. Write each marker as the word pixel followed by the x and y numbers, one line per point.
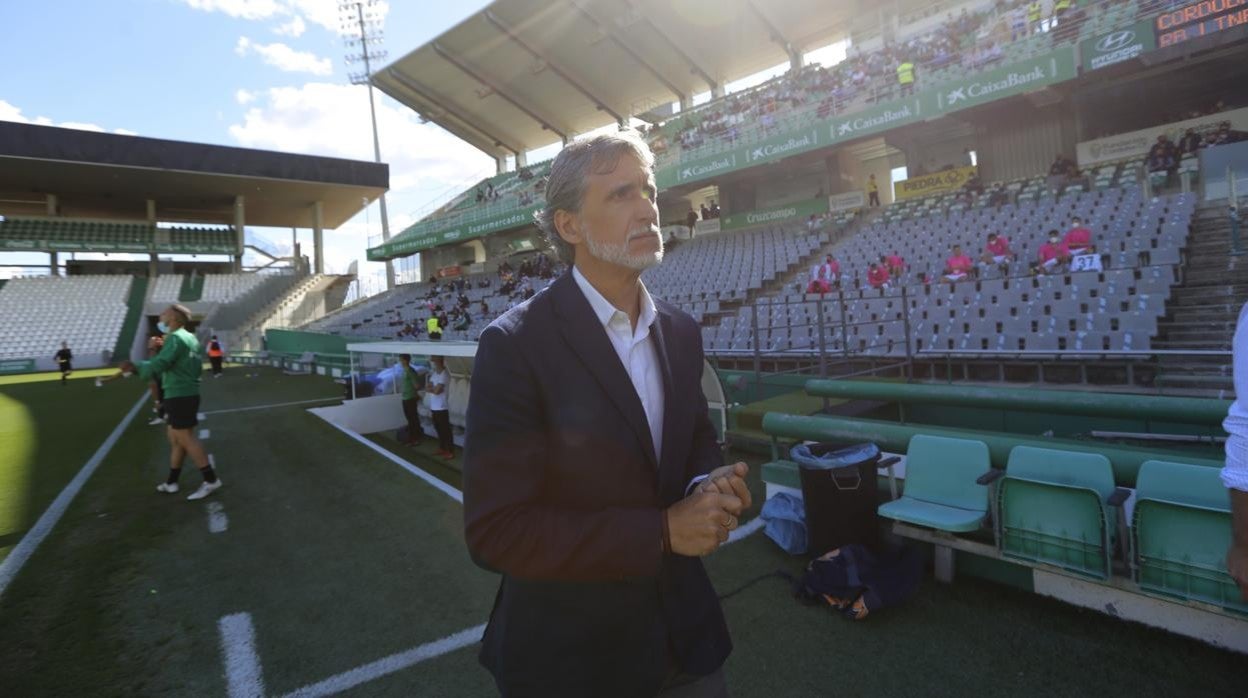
pixel 1029 142
pixel 297 342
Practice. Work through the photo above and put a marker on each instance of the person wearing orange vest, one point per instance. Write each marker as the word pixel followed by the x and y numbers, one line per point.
pixel 215 356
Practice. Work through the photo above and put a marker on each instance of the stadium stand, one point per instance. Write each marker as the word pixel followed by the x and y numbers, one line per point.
pixel 228 288
pixel 41 312
pixel 973 41
pixel 167 288
pixel 1139 243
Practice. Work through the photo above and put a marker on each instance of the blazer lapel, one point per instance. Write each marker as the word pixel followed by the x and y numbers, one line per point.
pixel 583 332
pixel 669 472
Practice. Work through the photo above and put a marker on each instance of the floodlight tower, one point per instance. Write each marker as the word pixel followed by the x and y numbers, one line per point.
pixel 361 28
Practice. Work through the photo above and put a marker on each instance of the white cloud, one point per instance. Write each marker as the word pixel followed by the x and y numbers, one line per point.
pixel 242 9
pixel 285 58
pixel 244 97
pixel 9 112
pixel 324 13
pixel 328 119
pixel 294 28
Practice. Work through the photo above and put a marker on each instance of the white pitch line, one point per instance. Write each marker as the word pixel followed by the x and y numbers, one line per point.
pixel 204 433
pixel 30 542
pixel 218 522
pixel 276 404
pixel 441 486
pixel 201 416
pixel 244 677
pixel 431 650
pixel 389 665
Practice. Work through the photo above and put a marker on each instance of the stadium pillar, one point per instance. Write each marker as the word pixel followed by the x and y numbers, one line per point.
pixel 522 160
pixel 318 242
pixel 686 102
pixel 795 60
pixel 239 223
pixel 500 165
pixel 51 203
pixel 717 92
pixel 54 264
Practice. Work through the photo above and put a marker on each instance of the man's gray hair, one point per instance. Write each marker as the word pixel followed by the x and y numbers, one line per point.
pixel 565 188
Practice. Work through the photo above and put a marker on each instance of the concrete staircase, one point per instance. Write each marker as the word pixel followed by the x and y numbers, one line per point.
pixel 1203 309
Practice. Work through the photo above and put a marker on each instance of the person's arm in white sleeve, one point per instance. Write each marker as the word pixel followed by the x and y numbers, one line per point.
pixel 1235 472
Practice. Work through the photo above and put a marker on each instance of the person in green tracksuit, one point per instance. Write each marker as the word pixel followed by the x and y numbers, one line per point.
pixel 179 364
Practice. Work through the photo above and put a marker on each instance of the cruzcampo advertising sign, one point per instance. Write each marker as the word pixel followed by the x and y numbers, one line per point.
pixel 425 235
pixel 776 214
pixel 1118 46
pixel 17 366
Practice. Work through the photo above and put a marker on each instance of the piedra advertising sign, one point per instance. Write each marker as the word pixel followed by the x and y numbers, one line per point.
pixel 935 183
pixel 1118 46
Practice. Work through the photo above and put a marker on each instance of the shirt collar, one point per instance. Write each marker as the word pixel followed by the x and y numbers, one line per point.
pixel 602 307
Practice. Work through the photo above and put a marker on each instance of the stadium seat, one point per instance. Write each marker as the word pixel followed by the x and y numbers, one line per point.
pixel 1180 534
pixel 941 491
pixel 1060 508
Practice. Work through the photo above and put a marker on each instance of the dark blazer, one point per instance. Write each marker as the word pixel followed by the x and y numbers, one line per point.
pixel 562 496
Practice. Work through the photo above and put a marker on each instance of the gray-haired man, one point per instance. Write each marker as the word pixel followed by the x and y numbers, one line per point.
pixel 593 481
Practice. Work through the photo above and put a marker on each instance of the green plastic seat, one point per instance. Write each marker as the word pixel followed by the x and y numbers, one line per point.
pixel 1059 508
pixel 1180 533
pixel 940 490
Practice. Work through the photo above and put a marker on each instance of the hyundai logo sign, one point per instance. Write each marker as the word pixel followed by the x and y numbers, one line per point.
pixel 1115 41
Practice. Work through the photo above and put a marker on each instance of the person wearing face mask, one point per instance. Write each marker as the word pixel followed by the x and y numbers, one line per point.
pixel 1053 254
pixel 179 365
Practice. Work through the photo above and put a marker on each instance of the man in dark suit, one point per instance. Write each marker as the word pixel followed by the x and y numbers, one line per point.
pixel 592 478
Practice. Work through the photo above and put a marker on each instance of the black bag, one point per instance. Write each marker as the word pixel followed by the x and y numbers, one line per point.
pixel 856 581
pixel 841 494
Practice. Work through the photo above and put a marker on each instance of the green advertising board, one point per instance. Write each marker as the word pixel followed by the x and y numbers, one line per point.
pixel 1118 46
pixel 776 214
pixel 1006 81
pixel 426 235
pixel 17 366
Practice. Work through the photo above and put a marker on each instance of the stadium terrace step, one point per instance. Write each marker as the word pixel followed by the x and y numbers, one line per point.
pixel 1195 337
pixel 134 313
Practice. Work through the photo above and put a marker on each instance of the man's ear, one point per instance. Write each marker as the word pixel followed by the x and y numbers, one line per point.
pixel 568 225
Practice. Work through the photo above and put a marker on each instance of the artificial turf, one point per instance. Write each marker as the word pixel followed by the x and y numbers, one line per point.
pixel 341 558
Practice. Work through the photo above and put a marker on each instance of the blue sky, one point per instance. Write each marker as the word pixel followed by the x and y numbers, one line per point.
pixel 265 74
pixel 257 73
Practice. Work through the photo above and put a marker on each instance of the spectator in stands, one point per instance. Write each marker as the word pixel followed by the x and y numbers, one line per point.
pixel 877 276
pixel 438 387
pixel 485 308
pixel 413 383
pixel 706 213
pixel 1079 238
pixel 905 77
pixel 463 301
pixel 999 196
pixel 714 209
pixel 462 322
pixel 1018 23
pixel 1235 472
pixel 216 355
pixel 1035 14
pixel 179 364
pixel 64 362
pixel 998 252
pixel 1225 135
pixel 1054 255
pixel 490 194
pixel 1190 142
pixel 873 192
pixel 691 220
pixel 1163 156
pixel 895 264
pixel 480 195
pixel 434 328
pixel 958 266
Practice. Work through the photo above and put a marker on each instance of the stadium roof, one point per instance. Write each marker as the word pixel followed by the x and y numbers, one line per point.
pixel 106 175
pixel 522 74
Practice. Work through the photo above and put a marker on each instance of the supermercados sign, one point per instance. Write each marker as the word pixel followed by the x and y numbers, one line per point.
pixel 411 240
